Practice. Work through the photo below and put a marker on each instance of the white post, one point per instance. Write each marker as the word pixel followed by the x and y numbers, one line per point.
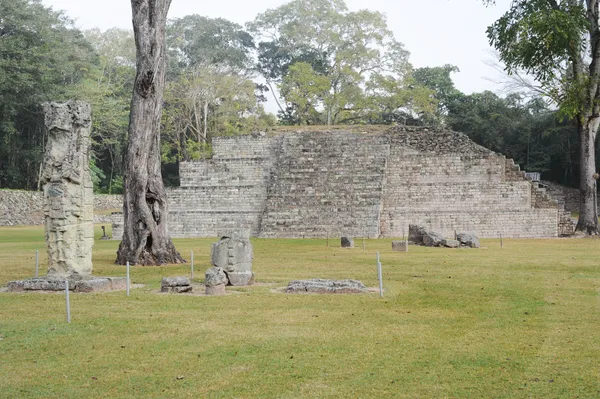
pixel 128 280
pixel 379 275
pixel 37 263
pixel 68 302
pixel 501 242
pixel 192 265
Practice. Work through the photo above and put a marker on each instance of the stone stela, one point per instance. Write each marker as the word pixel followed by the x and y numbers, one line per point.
pixel 68 189
pixel 68 204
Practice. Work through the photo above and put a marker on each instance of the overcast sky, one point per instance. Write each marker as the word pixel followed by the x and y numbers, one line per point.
pixel 436 32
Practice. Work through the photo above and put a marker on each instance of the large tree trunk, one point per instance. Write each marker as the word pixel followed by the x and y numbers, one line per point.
pixel 588 208
pixel 146 239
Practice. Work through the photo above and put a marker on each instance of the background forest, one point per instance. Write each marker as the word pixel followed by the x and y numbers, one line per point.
pixel 318 62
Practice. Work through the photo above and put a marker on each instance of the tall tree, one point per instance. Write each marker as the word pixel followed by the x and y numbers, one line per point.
pixel 439 80
pixel 346 47
pixel 146 238
pixel 558 42
pixel 195 41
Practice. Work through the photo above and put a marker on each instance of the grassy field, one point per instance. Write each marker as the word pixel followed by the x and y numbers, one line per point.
pixel 521 321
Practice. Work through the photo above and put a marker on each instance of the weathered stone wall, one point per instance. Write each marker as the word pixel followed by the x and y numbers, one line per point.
pixel 226 192
pixel 311 184
pixel 568 196
pixel 18 207
pixel 325 183
pixel 451 187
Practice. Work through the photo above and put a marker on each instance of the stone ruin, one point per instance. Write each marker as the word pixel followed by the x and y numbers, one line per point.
pixel 365 182
pixel 325 286
pixel 347 242
pixel 231 258
pixel 68 203
pixel 68 190
pixel 400 246
pixel 178 285
pixel 420 235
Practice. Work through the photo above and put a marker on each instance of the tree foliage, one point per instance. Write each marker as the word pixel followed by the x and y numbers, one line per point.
pixel 346 48
pixel 42 57
pixel 558 42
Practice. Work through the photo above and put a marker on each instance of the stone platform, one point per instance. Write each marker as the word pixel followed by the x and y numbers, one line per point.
pixel 76 284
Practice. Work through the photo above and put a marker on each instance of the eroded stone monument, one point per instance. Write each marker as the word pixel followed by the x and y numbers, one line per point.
pixel 68 204
pixel 68 189
pixel 233 255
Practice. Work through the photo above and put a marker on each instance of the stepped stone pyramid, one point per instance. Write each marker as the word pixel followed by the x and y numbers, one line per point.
pixel 359 182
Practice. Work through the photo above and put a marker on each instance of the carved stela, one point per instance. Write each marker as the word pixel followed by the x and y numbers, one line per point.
pixel 68 189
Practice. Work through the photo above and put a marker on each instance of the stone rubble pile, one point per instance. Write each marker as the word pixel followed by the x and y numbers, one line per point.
pixel 419 235
pixel 437 141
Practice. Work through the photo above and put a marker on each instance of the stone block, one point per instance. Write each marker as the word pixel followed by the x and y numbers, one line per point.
pixel 175 284
pixel 347 242
pixel 323 286
pixel 468 240
pixel 432 239
pixel 175 281
pixel 415 234
pixel 448 243
pixel 215 276
pixel 215 289
pixel 76 284
pixel 240 278
pixel 401 246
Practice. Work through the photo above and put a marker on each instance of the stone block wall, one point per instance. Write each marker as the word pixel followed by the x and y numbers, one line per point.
pixel 19 207
pixel 226 192
pixel 326 183
pixel 318 183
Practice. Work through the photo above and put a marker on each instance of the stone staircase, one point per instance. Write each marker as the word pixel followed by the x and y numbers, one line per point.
pixel 326 184
pixel 540 198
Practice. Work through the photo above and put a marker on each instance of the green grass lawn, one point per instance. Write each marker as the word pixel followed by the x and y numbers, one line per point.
pixel 518 322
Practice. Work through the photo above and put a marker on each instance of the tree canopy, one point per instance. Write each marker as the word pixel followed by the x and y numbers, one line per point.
pixel 42 58
pixel 558 42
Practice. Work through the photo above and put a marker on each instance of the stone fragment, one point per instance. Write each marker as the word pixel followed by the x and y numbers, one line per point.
pixel 175 284
pixel 175 281
pixel 233 253
pixel 215 276
pixel 240 278
pixel 76 284
pixel 68 189
pixel 347 242
pixel 432 239
pixel 415 234
pixel 421 236
pixel 322 286
pixel 448 243
pixel 100 284
pixel 215 289
pixel 401 246
pixel 468 239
